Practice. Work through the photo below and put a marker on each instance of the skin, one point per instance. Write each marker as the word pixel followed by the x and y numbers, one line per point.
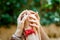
pixel 29 17
pixel 20 24
pixel 21 21
pixel 38 25
pixel 29 22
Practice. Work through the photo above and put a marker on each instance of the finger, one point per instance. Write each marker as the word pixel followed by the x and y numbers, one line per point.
pixel 33 25
pixel 36 14
pixel 32 12
pixel 28 13
pixel 33 21
pixel 32 16
pixel 21 14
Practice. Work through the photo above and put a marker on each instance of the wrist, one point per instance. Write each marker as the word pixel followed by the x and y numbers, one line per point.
pixel 18 33
pixel 14 37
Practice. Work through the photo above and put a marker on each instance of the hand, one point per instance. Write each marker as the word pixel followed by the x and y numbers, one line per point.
pixel 20 23
pixel 36 14
pixel 35 19
pixel 36 24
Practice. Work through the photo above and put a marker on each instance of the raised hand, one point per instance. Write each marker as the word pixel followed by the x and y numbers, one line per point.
pixel 36 24
pixel 20 23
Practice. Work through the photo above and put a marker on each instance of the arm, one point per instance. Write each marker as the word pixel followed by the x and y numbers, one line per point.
pixel 17 35
pixel 44 36
pixel 20 25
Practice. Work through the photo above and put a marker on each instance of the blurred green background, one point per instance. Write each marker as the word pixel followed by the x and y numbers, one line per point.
pixel 49 10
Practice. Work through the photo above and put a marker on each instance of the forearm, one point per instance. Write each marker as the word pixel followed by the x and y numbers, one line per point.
pixel 44 36
pixel 17 35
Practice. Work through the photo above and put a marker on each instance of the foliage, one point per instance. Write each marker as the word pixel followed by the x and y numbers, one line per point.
pixel 49 10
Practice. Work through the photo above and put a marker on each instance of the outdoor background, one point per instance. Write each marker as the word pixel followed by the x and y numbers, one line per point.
pixel 49 12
